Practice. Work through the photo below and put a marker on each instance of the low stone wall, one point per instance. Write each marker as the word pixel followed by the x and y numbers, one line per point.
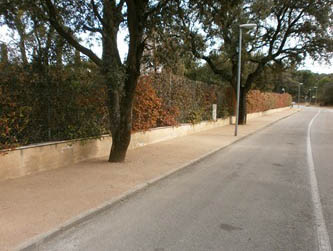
pixel 259 114
pixel 35 158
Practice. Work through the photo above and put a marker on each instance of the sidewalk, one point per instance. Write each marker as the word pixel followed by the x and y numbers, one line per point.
pixel 35 204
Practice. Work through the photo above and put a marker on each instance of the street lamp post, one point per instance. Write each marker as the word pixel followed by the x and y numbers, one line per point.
pixel 242 26
pixel 299 92
pixel 310 94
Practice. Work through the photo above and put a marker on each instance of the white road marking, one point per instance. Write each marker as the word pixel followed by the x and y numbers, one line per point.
pixel 322 235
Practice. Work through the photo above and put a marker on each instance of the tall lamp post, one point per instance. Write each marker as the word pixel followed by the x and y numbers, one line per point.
pixel 310 94
pixel 242 26
pixel 299 92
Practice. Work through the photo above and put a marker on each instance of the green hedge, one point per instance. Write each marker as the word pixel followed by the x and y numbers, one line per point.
pixel 39 104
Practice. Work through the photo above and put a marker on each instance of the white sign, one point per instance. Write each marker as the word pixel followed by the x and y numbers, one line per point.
pixel 214 113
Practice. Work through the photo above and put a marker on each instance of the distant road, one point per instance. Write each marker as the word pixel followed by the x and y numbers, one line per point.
pixel 257 194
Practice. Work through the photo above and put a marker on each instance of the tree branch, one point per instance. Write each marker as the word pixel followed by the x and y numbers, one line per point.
pixel 157 8
pixel 120 5
pixel 252 76
pixel 95 10
pixel 223 74
pixel 63 31
pixel 92 29
pixel 287 33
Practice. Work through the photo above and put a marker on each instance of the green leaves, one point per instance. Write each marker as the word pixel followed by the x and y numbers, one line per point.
pixel 67 105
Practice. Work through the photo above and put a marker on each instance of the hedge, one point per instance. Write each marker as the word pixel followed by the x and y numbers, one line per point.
pixel 60 104
pixel 262 101
pixel 193 99
pixel 149 110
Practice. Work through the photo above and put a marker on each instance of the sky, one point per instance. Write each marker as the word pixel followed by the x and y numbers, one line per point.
pixel 316 67
pixel 309 64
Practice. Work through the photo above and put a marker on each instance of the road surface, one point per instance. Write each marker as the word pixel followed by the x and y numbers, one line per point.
pixel 257 194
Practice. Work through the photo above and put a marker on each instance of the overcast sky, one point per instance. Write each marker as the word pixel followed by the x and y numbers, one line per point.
pixel 317 67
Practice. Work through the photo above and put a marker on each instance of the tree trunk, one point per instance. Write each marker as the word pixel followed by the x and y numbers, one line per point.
pixel 59 51
pixel 121 126
pixel 242 107
pixel 121 138
pixel 120 110
pixel 21 31
pixel 77 58
pixel 4 54
pixel 120 78
pixel 23 52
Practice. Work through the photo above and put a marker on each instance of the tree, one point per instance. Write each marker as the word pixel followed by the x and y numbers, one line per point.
pixel 4 54
pixel 13 17
pixel 325 89
pixel 287 31
pixel 204 74
pixel 103 20
pixel 37 41
pixel 278 78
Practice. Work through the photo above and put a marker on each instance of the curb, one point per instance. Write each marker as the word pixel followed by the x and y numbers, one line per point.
pixel 34 243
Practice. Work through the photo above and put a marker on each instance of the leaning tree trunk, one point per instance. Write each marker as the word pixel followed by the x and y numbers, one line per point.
pixel 121 137
pixel 122 78
pixel 242 107
pixel 120 110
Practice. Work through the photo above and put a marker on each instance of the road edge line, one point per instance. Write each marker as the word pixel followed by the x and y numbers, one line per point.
pixel 323 240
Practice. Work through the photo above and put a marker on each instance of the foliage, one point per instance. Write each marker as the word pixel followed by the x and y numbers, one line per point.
pixel 260 101
pixel 165 99
pixel 204 73
pixel 149 110
pixel 14 114
pixel 287 32
pixel 44 96
pixel 325 90
pixel 103 19
pixel 193 99
pixel 67 105
pixel 80 24
pixel 327 97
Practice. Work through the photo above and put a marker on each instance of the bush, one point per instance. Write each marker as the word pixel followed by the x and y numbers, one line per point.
pixel 262 101
pixel 15 113
pixel 149 111
pixel 193 99
pixel 326 97
pixel 39 105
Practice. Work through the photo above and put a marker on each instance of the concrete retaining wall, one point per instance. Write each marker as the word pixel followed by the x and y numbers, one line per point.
pixel 35 158
pixel 259 114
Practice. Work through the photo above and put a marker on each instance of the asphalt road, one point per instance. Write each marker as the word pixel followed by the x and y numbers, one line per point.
pixel 254 195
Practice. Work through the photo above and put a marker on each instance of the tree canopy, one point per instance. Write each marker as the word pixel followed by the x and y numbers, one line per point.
pixel 287 31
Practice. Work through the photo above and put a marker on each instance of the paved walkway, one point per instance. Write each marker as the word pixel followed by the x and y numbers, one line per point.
pixel 35 204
